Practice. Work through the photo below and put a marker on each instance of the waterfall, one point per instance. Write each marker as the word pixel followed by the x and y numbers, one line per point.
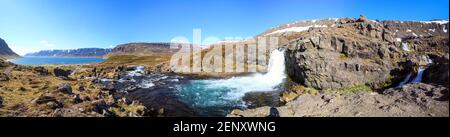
pixel 229 92
pixel 418 78
pixel 258 82
pixel 404 81
pixel 419 75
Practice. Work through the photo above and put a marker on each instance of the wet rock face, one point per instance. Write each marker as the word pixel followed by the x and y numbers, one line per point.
pixel 438 72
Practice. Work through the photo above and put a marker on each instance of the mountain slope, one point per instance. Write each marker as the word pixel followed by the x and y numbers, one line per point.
pixel 5 51
pixel 82 52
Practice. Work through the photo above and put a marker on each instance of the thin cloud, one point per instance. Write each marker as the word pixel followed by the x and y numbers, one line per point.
pixel 46 43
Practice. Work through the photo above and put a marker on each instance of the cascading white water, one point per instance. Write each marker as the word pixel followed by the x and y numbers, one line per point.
pixel 260 82
pixel 419 75
pixel 229 92
pixel 256 82
pixel 404 81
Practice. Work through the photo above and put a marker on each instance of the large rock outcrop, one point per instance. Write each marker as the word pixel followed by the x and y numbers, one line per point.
pixel 361 52
pixel 412 100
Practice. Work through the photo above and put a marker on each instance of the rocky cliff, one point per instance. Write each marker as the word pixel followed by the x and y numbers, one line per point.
pixel 5 51
pixel 82 52
pixel 339 53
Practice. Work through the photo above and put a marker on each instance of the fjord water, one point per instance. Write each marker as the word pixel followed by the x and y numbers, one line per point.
pixel 220 94
pixel 55 60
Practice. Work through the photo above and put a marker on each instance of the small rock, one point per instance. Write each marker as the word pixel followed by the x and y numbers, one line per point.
pixel 3 77
pixel 22 89
pixel 161 112
pixel 43 99
pixel 76 99
pixel 41 71
pixel 53 104
pixel 85 98
pixel 107 113
pixel 65 88
pixel 58 113
pixel 1 101
pixel 361 18
pixel 110 101
pixel 81 88
pixel 61 72
pixel 99 106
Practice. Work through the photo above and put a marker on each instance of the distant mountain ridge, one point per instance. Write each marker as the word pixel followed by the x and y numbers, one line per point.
pixel 6 52
pixel 81 52
pixel 141 49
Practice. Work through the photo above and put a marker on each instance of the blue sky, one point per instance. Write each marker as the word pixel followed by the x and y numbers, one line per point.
pixel 32 25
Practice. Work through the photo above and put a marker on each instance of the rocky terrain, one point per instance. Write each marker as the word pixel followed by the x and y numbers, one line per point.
pixel 82 52
pixel 6 52
pixel 335 67
pixel 412 100
pixel 354 55
pixel 59 91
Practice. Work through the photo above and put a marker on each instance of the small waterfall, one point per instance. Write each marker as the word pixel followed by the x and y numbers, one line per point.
pixel 404 81
pixel 418 78
pixel 257 82
pixel 419 75
pixel 229 92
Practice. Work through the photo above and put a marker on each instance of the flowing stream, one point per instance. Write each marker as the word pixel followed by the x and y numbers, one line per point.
pixel 185 96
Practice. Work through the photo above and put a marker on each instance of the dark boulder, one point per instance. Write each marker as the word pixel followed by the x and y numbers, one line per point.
pixel 361 18
pixel 41 71
pixel 4 77
pixel 438 72
pixel 43 99
pixel 59 72
pixel 1 102
pixel 65 88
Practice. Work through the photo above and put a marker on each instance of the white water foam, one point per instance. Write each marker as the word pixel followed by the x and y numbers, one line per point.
pixel 419 75
pixel 138 71
pixel 418 78
pixel 256 82
pixel 404 81
pixel 229 92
